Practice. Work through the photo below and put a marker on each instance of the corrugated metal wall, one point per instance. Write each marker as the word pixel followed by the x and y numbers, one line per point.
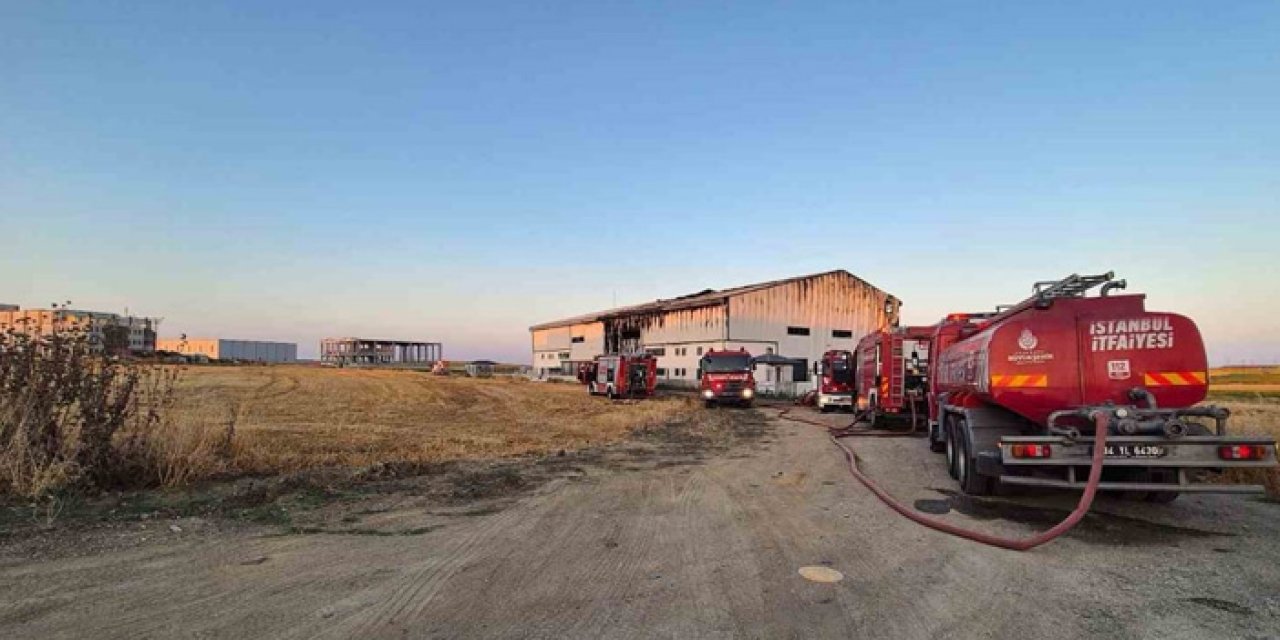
pixel 822 305
pixel 257 351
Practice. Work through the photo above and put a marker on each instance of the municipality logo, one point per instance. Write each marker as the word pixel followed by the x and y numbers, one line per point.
pixel 1027 340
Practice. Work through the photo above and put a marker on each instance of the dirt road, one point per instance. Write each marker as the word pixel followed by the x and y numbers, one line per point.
pixel 686 548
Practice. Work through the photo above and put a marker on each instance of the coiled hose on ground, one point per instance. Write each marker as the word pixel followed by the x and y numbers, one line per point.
pixel 1016 544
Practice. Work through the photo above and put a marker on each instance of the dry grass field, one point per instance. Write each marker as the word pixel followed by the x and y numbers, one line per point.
pixel 1253 396
pixel 289 418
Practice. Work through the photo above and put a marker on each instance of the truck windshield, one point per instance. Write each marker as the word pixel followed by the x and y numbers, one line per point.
pixel 726 364
pixel 841 371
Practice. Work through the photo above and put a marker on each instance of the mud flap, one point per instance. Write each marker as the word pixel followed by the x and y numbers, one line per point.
pixel 989 464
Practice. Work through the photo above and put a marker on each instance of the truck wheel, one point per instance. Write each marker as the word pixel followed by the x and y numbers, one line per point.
pixel 935 445
pixel 949 445
pixel 971 482
pixel 708 404
pixel 610 394
pixel 826 408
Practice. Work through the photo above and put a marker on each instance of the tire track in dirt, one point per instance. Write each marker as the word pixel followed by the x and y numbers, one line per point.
pixel 417 589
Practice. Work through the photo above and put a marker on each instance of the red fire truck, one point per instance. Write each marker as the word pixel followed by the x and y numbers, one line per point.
pixel 892 372
pixel 616 376
pixel 836 381
pixel 1015 396
pixel 725 377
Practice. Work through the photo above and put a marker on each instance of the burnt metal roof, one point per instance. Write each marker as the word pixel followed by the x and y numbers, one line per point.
pixel 704 298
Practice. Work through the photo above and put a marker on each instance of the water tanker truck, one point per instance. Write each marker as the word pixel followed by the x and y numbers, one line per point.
pixel 1012 395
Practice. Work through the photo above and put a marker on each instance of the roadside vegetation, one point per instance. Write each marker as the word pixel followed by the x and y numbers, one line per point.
pixel 72 420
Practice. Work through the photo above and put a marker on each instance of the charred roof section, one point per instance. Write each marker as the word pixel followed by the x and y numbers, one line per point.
pixel 651 312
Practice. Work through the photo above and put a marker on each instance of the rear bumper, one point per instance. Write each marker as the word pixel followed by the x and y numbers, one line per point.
pixel 835 400
pixel 1069 462
pixel 1180 487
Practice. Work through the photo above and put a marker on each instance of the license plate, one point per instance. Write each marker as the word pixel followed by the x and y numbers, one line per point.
pixel 1135 451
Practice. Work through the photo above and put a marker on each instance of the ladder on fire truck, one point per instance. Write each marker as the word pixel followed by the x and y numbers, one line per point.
pixel 1072 286
pixel 897 377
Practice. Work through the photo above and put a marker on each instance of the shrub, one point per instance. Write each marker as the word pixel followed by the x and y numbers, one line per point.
pixel 72 418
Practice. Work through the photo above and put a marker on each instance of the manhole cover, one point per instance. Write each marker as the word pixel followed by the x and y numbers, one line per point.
pixel 821 574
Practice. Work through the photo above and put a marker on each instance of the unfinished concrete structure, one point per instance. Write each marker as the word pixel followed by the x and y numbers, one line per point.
pixel 374 352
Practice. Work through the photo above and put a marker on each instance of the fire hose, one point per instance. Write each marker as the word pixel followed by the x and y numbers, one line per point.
pixel 1016 544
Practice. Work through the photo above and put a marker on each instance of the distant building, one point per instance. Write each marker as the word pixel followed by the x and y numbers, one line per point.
pixel 796 318
pixel 374 352
pixel 108 332
pixel 224 349
pixel 481 368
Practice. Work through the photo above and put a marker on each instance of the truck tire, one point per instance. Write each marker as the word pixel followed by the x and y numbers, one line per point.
pixel 971 482
pixel 826 408
pixel 936 445
pixel 610 394
pixel 949 444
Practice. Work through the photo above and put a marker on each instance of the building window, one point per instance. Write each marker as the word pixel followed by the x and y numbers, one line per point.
pixel 699 350
pixel 662 372
pixel 841 333
pixel 656 351
pixel 577 339
pixel 797 331
pixel 564 355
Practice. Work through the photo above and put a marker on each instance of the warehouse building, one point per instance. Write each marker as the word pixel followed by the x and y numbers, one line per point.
pixel 794 320
pixel 223 349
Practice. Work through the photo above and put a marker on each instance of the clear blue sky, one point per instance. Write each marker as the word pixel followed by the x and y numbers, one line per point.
pixel 459 171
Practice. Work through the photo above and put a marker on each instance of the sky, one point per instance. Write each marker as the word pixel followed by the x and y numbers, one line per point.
pixel 459 171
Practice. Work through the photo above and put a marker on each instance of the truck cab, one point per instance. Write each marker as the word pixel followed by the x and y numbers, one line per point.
pixel 725 377
pixel 836 381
